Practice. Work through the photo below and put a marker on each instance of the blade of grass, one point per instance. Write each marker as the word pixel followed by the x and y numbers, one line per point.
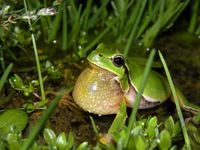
pixel 132 118
pixel 96 40
pixel 75 26
pixel 64 33
pixel 39 126
pixel 96 17
pixel 166 19
pixel 45 116
pixel 86 14
pixel 134 10
pixel 2 62
pixel 5 75
pixel 53 32
pixel 43 101
pixel 135 26
pixel 100 36
pixel 185 134
pixel 149 17
pixel 124 25
pixel 193 20
pixel 183 6
pixel 94 126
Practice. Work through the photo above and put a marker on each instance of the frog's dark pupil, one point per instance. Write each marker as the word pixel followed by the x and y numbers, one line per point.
pixel 118 60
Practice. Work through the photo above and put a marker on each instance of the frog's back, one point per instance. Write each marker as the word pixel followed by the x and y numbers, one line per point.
pixel 156 89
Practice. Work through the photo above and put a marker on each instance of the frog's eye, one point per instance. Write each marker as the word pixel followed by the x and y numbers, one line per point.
pixel 118 60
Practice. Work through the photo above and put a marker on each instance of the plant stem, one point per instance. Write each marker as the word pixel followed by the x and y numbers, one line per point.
pixel 5 75
pixel 36 58
pixel 38 127
pixel 193 21
pixel 138 97
pixel 64 35
pixel 56 23
pixel 185 134
pixel 140 8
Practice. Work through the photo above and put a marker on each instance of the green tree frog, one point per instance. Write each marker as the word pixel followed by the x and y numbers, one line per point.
pixel 111 78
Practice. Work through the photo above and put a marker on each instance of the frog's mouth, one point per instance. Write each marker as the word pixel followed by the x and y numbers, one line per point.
pixel 93 66
pixel 100 69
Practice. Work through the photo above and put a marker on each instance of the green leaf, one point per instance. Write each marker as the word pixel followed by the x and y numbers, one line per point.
pixel 169 125
pixel 12 118
pixel 50 138
pixel 16 82
pixel 61 141
pixel 70 140
pixel 83 146
pixel 165 140
pixel 152 129
pixel 152 122
pixel 2 144
pixel 5 75
pixel 177 129
pixel 13 141
pixel 174 147
pixel 140 143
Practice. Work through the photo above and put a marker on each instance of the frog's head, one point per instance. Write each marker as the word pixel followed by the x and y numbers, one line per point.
pixel 108 59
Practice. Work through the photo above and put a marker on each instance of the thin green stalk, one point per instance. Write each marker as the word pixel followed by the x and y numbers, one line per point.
pixel 43 101
pixel 165 20
pixel 86 14
pixel 198 30
pixel 5 75
pixel 149 17
pixel 183 6
pixel 185 134
pixel 132 118
pixel 97 15
pixel 193 21
pixel 64 34
pixel 100 36
pixel 96 40
pixel 39 126
pixel 94 126
pixel 53 32
pixel 75 26
pixel 133 32
pixel 2 62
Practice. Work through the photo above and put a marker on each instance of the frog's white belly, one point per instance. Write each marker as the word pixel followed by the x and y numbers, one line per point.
pixel 145 102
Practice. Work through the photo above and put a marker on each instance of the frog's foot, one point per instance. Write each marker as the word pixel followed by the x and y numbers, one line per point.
pixel 67 101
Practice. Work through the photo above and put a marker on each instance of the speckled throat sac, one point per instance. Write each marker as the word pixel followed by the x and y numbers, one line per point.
pixel 97 91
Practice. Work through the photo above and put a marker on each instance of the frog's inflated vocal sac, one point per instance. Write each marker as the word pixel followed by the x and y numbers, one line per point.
pixel 111 78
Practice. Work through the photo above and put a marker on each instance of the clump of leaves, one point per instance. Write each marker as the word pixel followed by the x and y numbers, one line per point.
pixel 60 142
pixel 17 83
pixel 52 71
pixel 12 119
pixel 148 134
